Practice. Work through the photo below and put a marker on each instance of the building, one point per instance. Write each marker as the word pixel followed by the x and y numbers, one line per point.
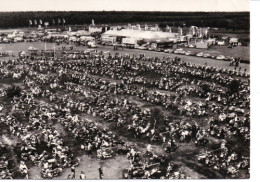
pixel 202 45
pixel 109 39
pixel 130 41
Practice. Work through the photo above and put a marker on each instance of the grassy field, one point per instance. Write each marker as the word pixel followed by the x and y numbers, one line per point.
pixel 239 51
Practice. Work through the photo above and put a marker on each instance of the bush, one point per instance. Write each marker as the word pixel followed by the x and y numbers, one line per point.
pixel 13 91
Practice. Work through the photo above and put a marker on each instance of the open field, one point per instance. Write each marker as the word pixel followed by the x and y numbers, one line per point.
pixel 239 51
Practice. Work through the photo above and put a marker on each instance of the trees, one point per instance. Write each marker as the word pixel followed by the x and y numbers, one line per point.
pixel 238 20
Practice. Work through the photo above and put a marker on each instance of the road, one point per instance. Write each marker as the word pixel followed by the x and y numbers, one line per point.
pixel 14 48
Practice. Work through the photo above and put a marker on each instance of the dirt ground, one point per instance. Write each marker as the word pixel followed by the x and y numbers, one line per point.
pixel 112 168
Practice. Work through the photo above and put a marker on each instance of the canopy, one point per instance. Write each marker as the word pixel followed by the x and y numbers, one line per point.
pixel 140 34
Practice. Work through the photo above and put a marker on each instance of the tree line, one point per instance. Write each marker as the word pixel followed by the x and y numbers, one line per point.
pixel 228 20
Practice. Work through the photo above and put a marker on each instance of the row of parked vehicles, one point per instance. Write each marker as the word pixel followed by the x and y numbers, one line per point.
pixel 17 39
pixel 149 47
pixel 190 53
pixel 199 54
pixel 176 51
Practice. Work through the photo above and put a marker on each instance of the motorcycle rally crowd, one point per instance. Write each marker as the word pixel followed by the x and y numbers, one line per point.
pixel 204 106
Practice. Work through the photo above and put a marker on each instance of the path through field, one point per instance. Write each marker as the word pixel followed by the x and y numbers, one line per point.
pixel 112 168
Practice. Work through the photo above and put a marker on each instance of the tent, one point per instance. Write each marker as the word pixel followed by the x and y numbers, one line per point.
pixel 140 34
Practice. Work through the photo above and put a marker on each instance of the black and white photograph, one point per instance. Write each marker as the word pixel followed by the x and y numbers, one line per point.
pixel 122 89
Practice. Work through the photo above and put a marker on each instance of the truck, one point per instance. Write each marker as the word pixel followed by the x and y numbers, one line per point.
pixel 130 42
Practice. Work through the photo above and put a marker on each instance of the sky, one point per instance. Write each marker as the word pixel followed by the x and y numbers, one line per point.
pixel 124 5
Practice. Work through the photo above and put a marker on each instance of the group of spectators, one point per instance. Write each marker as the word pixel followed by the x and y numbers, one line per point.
pixel 208 103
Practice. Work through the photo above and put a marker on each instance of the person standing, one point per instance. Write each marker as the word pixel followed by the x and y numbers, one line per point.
pixel 73 171
pixel 82 175
pixel 100 170
pixel 69 176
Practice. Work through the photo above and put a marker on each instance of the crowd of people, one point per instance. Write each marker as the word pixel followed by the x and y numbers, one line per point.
pixel 207 103
pixel 149 165
pixel 5 172
pixel 224 160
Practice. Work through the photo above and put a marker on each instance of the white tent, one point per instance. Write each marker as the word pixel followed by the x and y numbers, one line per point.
pixel 140 34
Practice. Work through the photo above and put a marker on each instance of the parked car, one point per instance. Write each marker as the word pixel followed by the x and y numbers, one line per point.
pixel 31 48
pixel 168 50
pixel 171 51
pixel 188 53
pixel 143 47
pixel 88 51
pixel 220 57
pixel 159 50
pixel 92 44
pixel 200 54
pixel 206 55
pixel 213 56
pixel 106 52
pixel 227 58
pixel 6 40
pixel 179 51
